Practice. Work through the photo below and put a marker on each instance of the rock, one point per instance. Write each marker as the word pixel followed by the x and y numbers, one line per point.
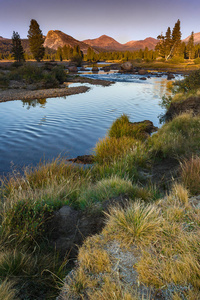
pixel 83 159
pixel 170 76
pixel 127 66
pixel 73 69
pixel 106 69
pixel 142 72
pixel 148 126
pixel 192 104
pixel 83 69
pixel 143 78
pixel 95 69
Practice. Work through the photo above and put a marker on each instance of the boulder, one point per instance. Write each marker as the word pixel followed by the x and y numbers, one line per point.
pixel 127 66
pixel 95 69
pixel 142 72
pixel 170 76
pixel 143 78
pixel 73 69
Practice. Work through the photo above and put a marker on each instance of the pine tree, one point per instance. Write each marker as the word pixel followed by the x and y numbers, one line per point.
pixel 36 40
pixel 168 42
pixel 17 49
pixel 176 38
pixel 190 46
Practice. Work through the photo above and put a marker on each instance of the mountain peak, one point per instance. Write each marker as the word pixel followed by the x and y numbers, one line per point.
pixel 57 38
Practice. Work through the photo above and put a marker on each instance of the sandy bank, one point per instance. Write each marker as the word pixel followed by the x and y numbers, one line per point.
pixel 13 94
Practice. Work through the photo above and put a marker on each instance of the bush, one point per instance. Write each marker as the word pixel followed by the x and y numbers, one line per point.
pixel 176 60
pixel 191 82
pixel 59 74
pixel 197 61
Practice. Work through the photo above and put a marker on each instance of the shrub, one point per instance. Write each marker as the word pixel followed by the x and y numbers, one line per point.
pixel 191 82
pixel 176 60
pixel 197 61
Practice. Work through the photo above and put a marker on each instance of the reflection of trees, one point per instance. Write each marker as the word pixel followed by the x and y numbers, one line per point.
pixel 162 87
pixel 34 103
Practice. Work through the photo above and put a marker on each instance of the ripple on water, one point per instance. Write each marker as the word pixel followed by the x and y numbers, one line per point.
pixel 74 124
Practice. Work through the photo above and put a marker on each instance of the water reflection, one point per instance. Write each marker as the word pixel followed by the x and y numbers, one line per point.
pixel 33 103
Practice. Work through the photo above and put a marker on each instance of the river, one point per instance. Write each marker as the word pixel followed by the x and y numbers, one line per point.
pixel 43 129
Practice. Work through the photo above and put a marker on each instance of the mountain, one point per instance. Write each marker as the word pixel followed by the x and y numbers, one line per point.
pixel 105 42
pixel 57 38
pixel 110 44
pixel 136 45
pixel 196 38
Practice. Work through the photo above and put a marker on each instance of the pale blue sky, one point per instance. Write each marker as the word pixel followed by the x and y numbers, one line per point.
pixel 123 20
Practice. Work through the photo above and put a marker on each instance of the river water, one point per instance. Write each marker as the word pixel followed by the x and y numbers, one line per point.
pixel 43 129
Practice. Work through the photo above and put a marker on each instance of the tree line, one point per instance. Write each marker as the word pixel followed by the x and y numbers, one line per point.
pixel 170 44
pixel 169 47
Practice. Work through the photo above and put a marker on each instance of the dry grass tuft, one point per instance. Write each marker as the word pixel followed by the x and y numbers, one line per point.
pixel 7 292
pixel 190 174
pixel 138 223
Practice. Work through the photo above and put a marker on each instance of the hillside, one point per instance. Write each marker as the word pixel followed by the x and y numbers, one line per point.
pixel 136 45
pixel 196 38
pixel 57 38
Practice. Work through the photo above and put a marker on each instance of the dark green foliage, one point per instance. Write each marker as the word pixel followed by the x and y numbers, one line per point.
pixel 191 82
pixel 77 55
pixel 190 46
pixel 28 219
pixel 170 45
pixel 17 49
pixel 36 40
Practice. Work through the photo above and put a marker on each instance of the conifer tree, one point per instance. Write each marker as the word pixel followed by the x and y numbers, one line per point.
pixel 36 40
pixel 17 49
pixel 176 38
pixel 190 46
pixel 168 42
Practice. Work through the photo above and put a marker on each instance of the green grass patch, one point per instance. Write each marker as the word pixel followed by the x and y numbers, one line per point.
pixel 179 137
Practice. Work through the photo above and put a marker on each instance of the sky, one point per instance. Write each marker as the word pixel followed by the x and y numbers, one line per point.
pixel 124 20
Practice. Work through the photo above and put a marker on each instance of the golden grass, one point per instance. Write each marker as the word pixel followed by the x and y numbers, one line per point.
pixel 138 223
pixel 190 174
pixel 109 149
pixel 7 292
pixel 179 137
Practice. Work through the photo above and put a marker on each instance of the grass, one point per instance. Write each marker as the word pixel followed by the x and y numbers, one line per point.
pixel 164 239
pixel 138 223
pixel 180 137
pixel 7 291
pixel 104 190
pixel 162 234
pixel 190 174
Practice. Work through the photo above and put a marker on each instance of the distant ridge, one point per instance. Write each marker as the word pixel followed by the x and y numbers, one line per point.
pixel 111 44
pixel 105 42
